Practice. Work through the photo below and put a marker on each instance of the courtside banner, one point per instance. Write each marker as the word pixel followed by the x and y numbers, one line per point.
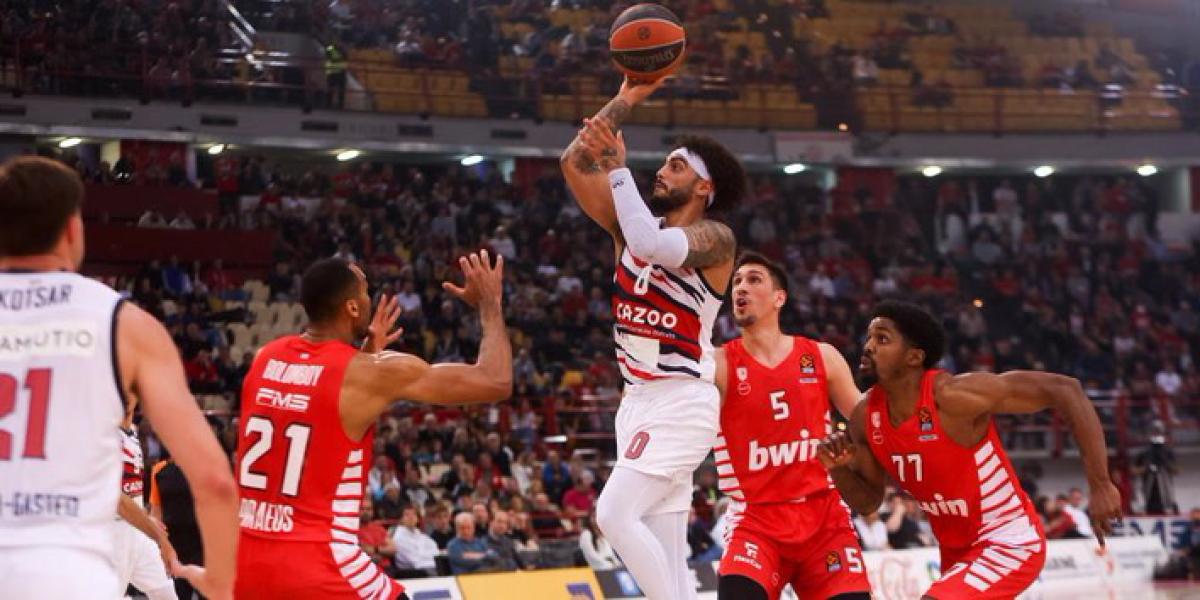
pixel 551 584
pixel 1174 531
pixel 435 588
pixel 619 583
pixel 905 574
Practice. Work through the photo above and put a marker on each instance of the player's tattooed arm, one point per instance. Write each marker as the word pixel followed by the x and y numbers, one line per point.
pixel 577 155
pixel 710 243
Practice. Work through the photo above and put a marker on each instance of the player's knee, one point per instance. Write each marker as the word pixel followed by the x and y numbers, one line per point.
pixel 852 596
pixel 165 593
pixel 609 516
pixel 740 587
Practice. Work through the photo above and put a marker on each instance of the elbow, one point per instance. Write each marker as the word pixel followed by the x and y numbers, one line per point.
pixel 216 485
pixel 502 389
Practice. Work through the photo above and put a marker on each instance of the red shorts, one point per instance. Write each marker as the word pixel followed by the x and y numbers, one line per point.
pixel 988 571
pixel 284 570
pixel 809 544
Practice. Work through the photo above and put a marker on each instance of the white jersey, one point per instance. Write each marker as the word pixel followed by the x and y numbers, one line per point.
pixel 60 412
pixel 663 322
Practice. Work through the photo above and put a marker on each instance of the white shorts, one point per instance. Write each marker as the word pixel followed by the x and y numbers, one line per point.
pixel 56 573
pixel 666 428
pixel 139 562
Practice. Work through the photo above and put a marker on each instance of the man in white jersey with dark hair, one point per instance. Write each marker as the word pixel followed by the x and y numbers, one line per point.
pixel 673 269
pixel 72 355
pixel 142 551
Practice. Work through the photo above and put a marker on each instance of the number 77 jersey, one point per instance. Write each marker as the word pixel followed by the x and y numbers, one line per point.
pixel 301 477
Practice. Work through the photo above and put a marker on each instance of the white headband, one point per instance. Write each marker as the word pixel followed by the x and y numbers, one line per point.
pixel 697 164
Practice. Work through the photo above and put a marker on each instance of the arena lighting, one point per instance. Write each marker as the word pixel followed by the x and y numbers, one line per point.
pixel 1044 171
pixel 70 142
pixel 1147 170
pixel 978 303
pixel 471 160
pixel 216 149
pixel 843 127
pixel 931 171
pixel 346 155
pixel 794 168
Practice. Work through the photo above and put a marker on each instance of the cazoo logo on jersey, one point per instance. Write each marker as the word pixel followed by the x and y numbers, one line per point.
pixel 646 316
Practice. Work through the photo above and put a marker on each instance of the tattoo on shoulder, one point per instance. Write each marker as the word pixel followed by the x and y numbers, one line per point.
pixel 710 243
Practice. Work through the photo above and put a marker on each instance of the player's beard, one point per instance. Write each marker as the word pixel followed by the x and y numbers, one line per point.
pixel 745 320
pixel 664 201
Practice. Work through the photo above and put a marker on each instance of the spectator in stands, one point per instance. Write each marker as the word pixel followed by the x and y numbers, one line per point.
pixel 175 280
pixel 500 454
pixel 522 532
pixel 866 70
pixel 1061 523
pixel 502 545
pixel 582 495
pixel 545 516
pixel 417 493
pixel 373 536
pixel 479 511
pixel 1157 467
pixel 440 530
pixel 595 548
pixel 381 476
pixel 703 547
pixel 902 528
pixel 871 531
pixel 202 374
pixel 556 476
pixel 415 551
pixel 524 470
pixel 1168 380
pixel 391 505
pixel 468 553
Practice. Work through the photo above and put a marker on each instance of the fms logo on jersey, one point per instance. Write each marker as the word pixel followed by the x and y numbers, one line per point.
pixel 833 562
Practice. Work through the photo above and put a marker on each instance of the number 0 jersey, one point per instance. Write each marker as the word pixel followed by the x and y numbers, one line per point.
pixel 301 477
pixel 61 407
pixel 771 422
pixel 663 320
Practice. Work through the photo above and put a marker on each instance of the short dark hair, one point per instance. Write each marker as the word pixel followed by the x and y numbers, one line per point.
pixel 728 175
pixel 37 198
pixel 778 275
pixel 919 328
pixel 325 286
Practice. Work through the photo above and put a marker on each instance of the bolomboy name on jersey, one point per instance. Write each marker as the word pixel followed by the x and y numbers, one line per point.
pixel 290 374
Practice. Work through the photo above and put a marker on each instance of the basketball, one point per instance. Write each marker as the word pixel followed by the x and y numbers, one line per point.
pixel 647 42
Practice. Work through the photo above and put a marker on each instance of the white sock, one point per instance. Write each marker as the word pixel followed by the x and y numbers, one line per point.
pixel 626 498
pixel 671 531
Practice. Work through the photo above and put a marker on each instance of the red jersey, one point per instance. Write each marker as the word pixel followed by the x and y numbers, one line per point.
pixel 301 477
pixel 772 422
pixel 970 495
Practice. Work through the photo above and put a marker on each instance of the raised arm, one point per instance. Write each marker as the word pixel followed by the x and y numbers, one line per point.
pixel 587 181
pixel 853 468
pixel 374 381
pixel 844 394
pixel 701 245
pixel 151 369
pixel 974 395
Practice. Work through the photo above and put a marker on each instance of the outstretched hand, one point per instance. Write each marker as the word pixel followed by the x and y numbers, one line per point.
pixel 198 577
pixel 483 281
pixel 387 312
pixel 635 92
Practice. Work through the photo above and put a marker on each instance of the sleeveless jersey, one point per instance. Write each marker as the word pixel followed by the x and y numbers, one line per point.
pixel 60 410
pixel 663 321
pixel 301 477
pixel 771 424
pixel 133 465
pixel 969 495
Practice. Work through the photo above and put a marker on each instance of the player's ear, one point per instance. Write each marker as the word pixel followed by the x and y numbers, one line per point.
pixel 352 308
pixel 780 298
pixel 916 357
pixel 703 187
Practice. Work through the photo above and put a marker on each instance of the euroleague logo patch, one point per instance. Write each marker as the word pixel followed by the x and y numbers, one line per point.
pixel 876 434
pixel 643 33
pixel 807 364
pixel 925 418
pixel 833 562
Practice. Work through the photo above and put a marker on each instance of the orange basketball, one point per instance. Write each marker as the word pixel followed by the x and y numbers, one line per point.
pixel 647 42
